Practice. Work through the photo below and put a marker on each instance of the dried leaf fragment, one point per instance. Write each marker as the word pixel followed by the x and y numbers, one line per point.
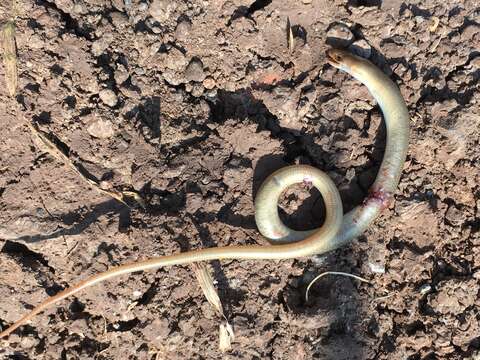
pixel 226 337
pixel 206 283
pixel 435 23
pixel 10 57
pixel 136 197
pixel 290 38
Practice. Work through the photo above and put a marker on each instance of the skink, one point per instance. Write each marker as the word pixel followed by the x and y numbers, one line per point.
pixel 337 230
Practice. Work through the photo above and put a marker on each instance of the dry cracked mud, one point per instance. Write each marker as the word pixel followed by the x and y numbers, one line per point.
pixel 193 104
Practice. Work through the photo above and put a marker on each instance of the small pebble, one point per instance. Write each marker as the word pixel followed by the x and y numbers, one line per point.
pixel 211 94
pixel 161 10
pixel 425 289
pixel 79 9
pixel 376 268
pixel 119 20
pixel 101 129
pixel 209 83
pixel 28 342
pixel 121 74
pixel 139 70
pixel 194 71
pixel 197 90
pixel 183 30
pixel 173 77
pixel 108 97
pixel 118 4
pixel 455 216
pixel 99 46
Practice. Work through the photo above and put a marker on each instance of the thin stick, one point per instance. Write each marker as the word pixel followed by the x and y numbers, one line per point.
pixel 52 149
pixel 333 273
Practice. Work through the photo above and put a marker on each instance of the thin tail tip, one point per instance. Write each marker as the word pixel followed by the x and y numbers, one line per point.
pixel 10 329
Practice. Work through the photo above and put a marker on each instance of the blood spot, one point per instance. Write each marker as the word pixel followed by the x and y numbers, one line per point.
pixel 308 181
pixel 380 197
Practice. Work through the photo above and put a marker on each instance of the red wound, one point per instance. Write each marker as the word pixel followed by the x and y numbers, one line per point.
pixel 380 197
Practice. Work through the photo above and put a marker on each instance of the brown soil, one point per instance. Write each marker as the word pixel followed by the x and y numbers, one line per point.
pixel 193 104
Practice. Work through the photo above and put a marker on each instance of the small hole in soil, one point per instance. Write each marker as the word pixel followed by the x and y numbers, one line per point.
pixel 43 118
pixel 301 207
pixel 122 326
pixel 57 69
pixel 366 3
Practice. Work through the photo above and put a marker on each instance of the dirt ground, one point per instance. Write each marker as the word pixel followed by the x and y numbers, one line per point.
pixel 193 104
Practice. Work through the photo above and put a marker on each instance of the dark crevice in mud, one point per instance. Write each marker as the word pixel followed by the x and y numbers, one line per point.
pixel 149 294
pixel 433 94
pixel 71 25
pixel 59 144
pixel 414 327
pixel 35 262
pixel 163 201
pixel 122 326
pixel 416 11
pixel 147 120
pixel 244 11
pixel 456 269
pixel 366 3
pixel 243 106
pixel 27 257
pixel 88 347
pixel 398 244
pixel 18 356
pixel 474 225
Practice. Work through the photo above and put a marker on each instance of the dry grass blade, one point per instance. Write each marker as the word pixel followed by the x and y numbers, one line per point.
pixel 10 57
pixel 52 149
pixel 206 283
pixel 437 42
pixel 332 273
pixel 435 23
pixel 226 336
pixel 136 197
pixel 290 37
pixel 47 144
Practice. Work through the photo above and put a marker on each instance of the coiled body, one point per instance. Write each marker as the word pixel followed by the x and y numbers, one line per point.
pixel 337 229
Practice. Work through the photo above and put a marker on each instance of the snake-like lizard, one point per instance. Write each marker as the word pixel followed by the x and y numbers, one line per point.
pixel 337 229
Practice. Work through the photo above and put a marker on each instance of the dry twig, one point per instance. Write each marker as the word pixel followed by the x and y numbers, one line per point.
pixel 332 273
pixel 52 149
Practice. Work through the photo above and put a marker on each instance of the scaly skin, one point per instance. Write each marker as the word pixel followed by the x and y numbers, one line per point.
pixel 337 230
